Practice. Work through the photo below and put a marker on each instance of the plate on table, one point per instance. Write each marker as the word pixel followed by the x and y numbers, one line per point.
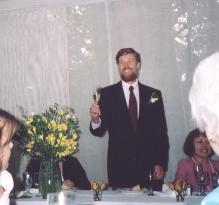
pixel 130 192
pixel 165 194
pixel 34 191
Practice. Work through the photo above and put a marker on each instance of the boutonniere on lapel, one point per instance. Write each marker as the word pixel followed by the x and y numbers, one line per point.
pixel 154 98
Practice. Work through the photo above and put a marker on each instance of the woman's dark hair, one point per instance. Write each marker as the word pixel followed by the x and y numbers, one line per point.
pixel 125 51
pixel 188 146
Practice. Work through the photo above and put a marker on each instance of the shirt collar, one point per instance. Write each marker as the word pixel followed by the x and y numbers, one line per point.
pixel 126 85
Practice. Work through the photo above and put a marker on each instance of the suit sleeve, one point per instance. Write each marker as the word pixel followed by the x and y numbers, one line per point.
pixel 74 171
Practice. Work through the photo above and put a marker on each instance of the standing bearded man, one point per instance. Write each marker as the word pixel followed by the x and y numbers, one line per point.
pixel 133 114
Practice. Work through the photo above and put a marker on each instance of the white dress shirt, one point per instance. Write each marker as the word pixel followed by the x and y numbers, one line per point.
pixel 126 91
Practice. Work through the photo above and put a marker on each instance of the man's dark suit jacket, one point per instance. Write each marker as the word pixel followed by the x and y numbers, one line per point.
pixel 72 170
pixel 131 154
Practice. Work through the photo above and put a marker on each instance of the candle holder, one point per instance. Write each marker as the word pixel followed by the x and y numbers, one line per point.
pixel 97 194
pixel 179 196
pixel 179 187
pixel 98 187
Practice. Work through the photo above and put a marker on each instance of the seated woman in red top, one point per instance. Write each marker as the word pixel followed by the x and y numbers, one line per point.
pixel 198 150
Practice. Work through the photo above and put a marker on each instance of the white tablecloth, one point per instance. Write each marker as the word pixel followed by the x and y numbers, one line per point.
pixel 118 198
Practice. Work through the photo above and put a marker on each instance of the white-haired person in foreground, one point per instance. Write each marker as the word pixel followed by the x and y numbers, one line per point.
pixel 8 126
pixel 204 99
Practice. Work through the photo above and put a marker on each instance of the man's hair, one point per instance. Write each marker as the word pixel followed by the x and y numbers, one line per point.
pixel 188 147
pixel 125 51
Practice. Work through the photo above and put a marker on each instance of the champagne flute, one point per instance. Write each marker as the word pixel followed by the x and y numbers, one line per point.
pixel 96 95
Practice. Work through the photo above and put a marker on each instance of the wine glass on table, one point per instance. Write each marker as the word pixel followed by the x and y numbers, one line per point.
pixel 27 181
pixel 203 181
pixel 215 179
pixel 150 182
pixel 197 169
pixel 35 178
pixel 202 178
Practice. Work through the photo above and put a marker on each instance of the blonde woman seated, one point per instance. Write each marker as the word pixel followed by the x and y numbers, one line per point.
pixel 198 150
pixel 7 129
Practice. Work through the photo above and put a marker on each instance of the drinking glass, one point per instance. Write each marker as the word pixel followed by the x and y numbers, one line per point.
pixel 202 179
pixel 197 169
pixel 97 195
pixel 215 179
pixel 61 198
pixel 35 177
pixel 27 181
pixel 150 182
pixel 96 95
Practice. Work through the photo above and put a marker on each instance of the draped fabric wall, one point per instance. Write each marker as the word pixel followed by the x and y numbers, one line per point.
pixel 62 52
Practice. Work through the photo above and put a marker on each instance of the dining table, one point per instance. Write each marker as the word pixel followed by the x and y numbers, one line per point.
pixel 115 197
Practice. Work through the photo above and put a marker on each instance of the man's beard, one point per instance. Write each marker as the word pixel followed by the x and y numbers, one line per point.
pixel 129 78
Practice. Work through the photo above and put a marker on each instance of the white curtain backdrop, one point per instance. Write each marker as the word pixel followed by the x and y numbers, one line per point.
pixel 60 51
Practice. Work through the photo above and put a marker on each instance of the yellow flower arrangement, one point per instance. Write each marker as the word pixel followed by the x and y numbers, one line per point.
pixel 53 134
pixel 98 185
pixel 179 186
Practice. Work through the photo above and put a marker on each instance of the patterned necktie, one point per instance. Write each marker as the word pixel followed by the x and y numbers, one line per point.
pixel 133 108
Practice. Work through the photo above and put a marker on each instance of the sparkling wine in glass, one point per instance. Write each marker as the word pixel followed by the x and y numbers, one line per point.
pixel 96 95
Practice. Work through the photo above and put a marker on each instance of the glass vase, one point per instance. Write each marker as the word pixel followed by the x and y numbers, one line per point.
pixel 49 177
pixel 97 194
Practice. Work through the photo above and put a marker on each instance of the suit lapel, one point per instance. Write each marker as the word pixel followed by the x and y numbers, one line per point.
pixel 121 97
pixel 144 97
pixel 121 103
